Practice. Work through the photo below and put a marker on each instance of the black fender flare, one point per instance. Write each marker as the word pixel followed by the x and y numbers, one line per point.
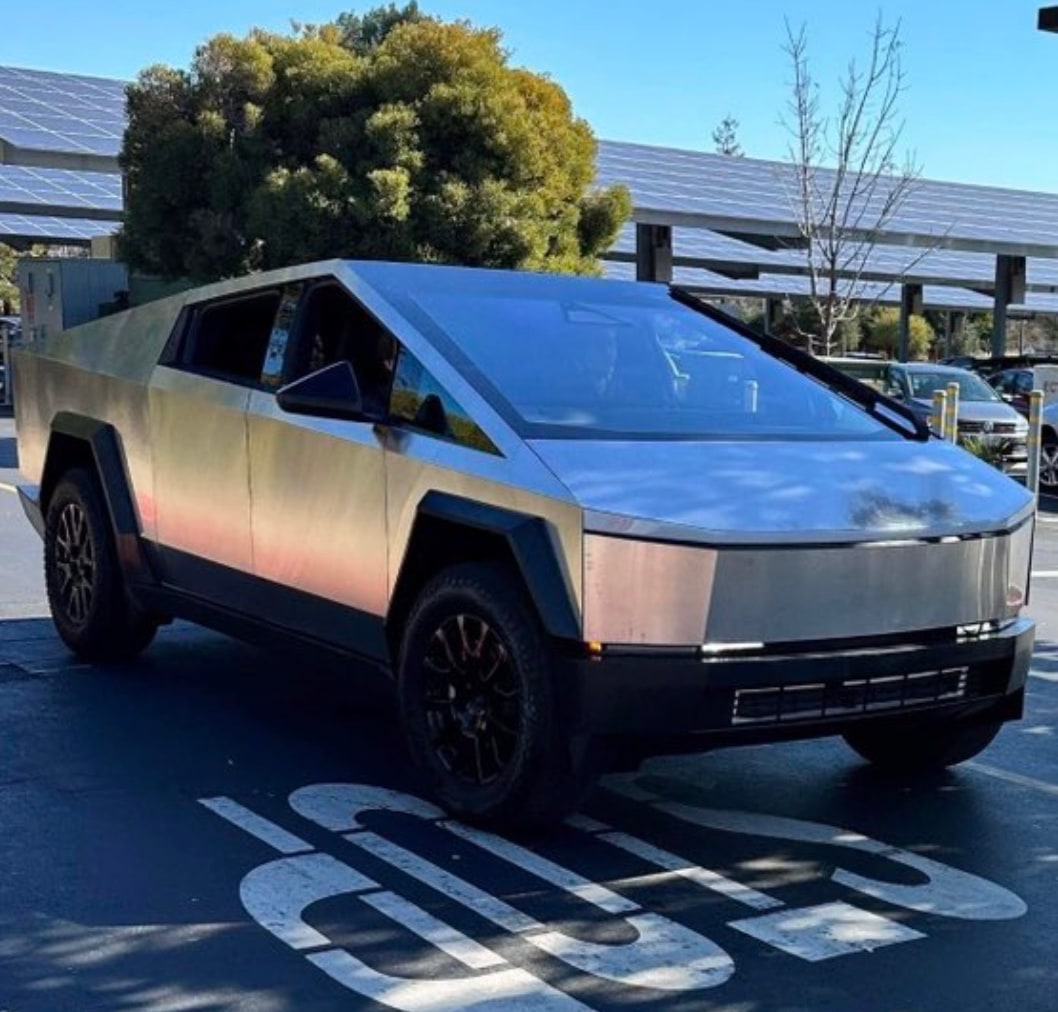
pixel 530 545
pixel 108 458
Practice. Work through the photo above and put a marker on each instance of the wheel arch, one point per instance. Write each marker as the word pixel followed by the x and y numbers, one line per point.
pixel 449 529
pixel 80 441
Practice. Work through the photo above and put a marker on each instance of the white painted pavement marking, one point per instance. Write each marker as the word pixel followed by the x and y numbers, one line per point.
pixel 947 893
pixel 1013 778
pixel 257 825
pixel 672 865
pixel 541 867
pixel 825 931
pixel 692 872
pixel 1044 574
pixel 338 807
pixel 1045 676
pixel 665 955
pixel 509 990
pixel 455 888
pixel 276 894
pixel 434 931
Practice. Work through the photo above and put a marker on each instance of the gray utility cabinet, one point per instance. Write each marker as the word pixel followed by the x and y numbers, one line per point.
pixel 62 292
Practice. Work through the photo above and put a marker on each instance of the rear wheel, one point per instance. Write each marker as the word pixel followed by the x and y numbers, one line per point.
pixel 478 702
pixel 86 592
pixel 923 747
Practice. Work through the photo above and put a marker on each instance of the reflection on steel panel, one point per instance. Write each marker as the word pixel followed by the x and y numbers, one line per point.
pixel 201 467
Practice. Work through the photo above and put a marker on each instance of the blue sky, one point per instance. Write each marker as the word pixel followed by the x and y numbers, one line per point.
pixel 981 105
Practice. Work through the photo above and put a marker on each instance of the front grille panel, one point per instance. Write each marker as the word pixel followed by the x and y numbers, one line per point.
pixel 997 428
pixel 851 697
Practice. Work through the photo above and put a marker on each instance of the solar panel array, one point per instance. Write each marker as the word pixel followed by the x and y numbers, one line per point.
pixel 42 111
pixel 777 286
pixel 60 188
pixel 48 228
pixel 694 188
pixel 713 251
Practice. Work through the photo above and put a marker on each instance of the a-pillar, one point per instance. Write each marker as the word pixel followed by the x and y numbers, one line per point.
pixel 654 253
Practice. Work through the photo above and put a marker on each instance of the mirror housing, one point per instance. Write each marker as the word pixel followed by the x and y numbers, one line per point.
pixel 331 392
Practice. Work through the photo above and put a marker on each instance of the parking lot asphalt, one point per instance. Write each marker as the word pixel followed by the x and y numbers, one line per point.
pixel 215 828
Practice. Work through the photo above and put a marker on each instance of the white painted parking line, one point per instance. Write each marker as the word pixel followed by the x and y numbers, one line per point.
pixel 541 867
pixel 1045 676
pixel 1013 778
pixel 825 931
pixel 434 931
pixel 665 955
pixel 276 894
pixel 446 883
pixel 510 990
pixel 679 866
pixel 257 825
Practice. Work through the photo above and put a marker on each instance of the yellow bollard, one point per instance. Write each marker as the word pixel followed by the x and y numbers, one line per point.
pixel 951 419
pixel 1032 477
pixel 940 410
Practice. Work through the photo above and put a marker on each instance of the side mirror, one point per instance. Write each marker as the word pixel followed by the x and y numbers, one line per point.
pixel 332 392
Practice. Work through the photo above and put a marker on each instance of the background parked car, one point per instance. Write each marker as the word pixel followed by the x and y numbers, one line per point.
pixel 983 413
pixel 1014 386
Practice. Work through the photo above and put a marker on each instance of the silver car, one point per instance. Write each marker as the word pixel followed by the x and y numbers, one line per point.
pixel 983 414
pixel 577 521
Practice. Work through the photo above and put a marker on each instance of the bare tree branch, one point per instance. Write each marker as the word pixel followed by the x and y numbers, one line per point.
pixel 843 209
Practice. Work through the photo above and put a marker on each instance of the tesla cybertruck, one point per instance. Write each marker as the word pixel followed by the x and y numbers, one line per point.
pixel 578 522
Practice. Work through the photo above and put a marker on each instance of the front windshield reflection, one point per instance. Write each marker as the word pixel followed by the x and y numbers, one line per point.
pixel 628 369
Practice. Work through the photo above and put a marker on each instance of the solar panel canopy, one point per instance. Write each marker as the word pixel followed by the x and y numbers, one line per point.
pixel 60 135
pixel 695 189
pixel 47 112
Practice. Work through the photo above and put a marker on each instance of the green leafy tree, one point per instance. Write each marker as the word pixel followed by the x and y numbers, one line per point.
pixel 8 280
pixel 388 135
pixel 883 334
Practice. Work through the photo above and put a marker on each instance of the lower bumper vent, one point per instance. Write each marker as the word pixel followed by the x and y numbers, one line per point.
pixel 816 701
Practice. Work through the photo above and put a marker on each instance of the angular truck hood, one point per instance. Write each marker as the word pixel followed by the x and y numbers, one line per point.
pixel 761 492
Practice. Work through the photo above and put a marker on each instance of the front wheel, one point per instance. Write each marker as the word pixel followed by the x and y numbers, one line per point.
pixel 86 592
pixel 923 747
pixel 478 702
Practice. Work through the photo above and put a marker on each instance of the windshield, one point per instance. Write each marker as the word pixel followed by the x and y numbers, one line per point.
pixel 971 387
pixel 634 368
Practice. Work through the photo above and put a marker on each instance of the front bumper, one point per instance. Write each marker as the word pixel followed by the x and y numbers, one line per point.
pixel 797 693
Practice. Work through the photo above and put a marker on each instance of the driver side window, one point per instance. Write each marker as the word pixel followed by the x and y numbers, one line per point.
pixel 334 327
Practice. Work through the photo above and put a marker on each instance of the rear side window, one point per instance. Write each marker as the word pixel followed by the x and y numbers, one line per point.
pixel 229 339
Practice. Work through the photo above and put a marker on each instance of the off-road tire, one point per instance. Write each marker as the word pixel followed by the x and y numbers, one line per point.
pixel 541 781
pixel 923 747
pixel 86 592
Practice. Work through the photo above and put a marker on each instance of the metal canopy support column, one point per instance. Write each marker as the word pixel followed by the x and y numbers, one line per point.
pixel 654 253
pixel 1010 287
pixel 773 315
pixel 910 305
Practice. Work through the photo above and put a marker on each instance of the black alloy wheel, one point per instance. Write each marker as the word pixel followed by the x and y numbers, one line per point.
pixel 471 699
pixel 478 702
pixel 90 607
pixel 75 561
